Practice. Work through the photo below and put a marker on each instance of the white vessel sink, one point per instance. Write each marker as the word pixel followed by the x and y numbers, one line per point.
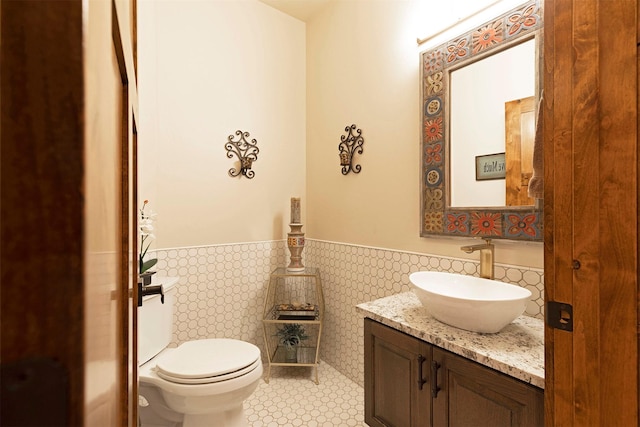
pixel 468 302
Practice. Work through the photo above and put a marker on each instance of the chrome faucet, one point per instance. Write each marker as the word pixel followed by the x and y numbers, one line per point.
pixel 486 257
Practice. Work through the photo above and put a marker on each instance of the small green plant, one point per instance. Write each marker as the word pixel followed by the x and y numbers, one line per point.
pixel 291 334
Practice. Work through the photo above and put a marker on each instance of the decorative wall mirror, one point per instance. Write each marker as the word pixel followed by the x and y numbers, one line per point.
pixel 479 93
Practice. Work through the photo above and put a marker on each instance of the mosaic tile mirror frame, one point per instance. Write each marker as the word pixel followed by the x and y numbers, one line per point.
pixel 437 216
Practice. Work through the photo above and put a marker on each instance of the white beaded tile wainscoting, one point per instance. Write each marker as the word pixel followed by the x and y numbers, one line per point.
pixel 221 290
pixel 220 293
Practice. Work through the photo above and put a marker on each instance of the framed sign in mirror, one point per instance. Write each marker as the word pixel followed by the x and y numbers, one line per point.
pixel 467 86
pixel 491 166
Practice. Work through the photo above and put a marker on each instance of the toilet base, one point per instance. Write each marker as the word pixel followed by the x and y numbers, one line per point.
pixel 234 417
pixel 158 415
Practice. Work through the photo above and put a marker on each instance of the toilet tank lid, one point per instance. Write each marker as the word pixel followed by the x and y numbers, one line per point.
pixel 208 358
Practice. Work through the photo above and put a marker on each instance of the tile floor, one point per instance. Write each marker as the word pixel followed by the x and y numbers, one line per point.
pixel 292 398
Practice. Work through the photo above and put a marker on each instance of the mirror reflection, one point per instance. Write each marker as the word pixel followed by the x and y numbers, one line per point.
pixel 481 95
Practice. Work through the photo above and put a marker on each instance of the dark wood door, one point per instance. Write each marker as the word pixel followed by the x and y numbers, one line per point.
pixel 469 394
pixel 68 216
pixel 591 210
pixel 394 365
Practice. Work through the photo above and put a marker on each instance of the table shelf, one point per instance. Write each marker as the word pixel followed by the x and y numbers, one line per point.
pixel 293 298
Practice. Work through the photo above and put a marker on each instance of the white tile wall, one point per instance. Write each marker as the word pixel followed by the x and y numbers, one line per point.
pixel 221 289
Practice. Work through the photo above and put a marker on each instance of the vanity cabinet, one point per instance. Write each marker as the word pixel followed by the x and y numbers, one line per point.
pixel 409 382
pixel 393 364
pixel 293 299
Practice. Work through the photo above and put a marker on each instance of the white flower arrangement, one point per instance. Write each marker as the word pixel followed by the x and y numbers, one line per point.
pixel 146 237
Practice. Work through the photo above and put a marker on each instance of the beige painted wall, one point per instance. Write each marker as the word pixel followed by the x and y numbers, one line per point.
pixel 207 69
pixel 210 68
pixel 363 69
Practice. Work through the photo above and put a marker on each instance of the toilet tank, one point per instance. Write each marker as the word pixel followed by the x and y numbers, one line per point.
pixel 155 320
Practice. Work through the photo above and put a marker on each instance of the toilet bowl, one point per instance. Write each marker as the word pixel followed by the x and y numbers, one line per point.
pixel 205 381
pixel 201 383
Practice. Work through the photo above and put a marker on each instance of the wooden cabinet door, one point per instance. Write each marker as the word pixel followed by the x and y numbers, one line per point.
pixel 470 394
pixel 393 363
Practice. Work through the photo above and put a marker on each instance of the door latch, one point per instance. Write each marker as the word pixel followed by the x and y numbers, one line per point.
pixel 559 315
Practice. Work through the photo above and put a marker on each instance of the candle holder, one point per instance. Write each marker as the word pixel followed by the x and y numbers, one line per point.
pixel 295 210
pixel 295 242
pixel 350 144
pixel 247 152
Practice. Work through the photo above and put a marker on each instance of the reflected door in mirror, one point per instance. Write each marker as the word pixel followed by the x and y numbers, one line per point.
pixel 519 118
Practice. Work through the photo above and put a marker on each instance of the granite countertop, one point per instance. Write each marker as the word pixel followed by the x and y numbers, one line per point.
pixel 517 350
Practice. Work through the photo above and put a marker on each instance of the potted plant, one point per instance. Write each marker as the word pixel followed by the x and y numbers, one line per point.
pixel 291 335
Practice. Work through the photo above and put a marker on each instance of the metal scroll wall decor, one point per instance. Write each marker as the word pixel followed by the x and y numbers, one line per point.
pixel 350 143
pixel 246 150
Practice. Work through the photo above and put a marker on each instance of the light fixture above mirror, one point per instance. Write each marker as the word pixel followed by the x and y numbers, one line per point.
pixel 486 43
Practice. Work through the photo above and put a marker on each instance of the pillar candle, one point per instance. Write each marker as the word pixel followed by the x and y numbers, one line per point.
pixel 295 210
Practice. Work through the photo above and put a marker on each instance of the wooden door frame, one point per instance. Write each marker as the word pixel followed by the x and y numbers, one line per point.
pixel 125 42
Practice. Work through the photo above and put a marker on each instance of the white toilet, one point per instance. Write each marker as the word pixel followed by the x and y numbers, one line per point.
pixel 200 383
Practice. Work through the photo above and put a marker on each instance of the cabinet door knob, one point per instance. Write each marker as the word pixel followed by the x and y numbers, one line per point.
pixel 421 380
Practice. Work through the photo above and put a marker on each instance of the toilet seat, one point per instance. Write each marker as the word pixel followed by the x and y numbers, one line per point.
pixel 209 380
pixel 208 361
